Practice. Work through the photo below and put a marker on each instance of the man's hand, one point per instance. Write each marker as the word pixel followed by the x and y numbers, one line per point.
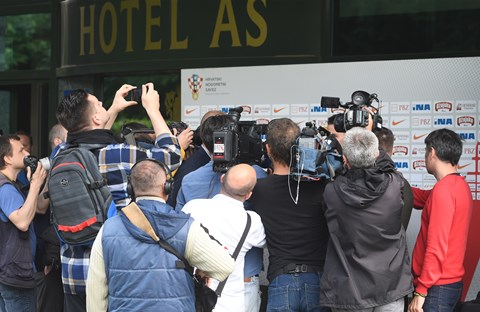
pixel 119 101
pixel 119 104
pixel 150 98
pixel 151 103
pixel 185 138
pixel 38 177
pixel 416 305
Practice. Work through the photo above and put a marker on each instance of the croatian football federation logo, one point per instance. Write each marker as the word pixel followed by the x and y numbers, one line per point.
pixel 195 84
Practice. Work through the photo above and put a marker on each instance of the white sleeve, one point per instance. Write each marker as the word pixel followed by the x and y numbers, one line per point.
pixel 256 235
pixel 207 254
pixel 97 286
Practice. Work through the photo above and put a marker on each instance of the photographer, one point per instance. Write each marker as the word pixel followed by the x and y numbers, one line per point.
pixel 87 121
pixel 17 236
pixel 296 230
pixel 200 157
pixel 205 183
pixel 367 244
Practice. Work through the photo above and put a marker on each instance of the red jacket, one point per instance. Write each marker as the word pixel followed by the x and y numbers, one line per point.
pixel 441 244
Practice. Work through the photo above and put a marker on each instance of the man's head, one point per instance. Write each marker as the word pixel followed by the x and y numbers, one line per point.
pixel 239 181
pixel 360 148
pixel 282 134
pixel 446 145
pixel 212 124
pixel 148 178
pixel 12 152
pixel 57 135
pixel 26 140
pixel 385 139
pixel 81 111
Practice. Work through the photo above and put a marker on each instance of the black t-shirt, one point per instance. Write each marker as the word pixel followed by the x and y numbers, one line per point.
pixel 296 233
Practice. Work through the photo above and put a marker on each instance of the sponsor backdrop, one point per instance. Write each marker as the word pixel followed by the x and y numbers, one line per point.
pixel 416 97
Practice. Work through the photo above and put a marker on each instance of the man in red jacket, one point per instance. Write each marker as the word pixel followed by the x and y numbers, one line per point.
pixel 440 248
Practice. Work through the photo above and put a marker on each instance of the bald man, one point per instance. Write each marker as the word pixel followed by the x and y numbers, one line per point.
pixel 226 218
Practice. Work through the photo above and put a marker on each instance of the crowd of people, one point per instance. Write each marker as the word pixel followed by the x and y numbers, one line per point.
pixel 333 244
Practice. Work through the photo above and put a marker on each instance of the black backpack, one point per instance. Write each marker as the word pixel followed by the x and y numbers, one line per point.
pixel 79 195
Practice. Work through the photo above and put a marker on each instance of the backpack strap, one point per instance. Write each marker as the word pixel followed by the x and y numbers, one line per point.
pixel 220 286
pixel 137 217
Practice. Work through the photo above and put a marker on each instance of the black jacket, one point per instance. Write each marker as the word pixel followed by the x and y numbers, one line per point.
pixel 367 263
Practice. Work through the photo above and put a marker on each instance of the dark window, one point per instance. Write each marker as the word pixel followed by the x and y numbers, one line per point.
pixel 382 27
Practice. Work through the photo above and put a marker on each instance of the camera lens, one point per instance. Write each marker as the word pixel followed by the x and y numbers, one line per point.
pixel 45 163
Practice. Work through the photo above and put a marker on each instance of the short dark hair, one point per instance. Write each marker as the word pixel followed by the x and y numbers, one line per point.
pixel 282 134
pixel 73 111
pixel 211 124
pixel 6 147
pixel 385 139
pixel 448 145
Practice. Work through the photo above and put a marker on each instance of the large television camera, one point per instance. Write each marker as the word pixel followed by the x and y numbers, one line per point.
pixel 240 142
pixel 316 155
pixel 357 112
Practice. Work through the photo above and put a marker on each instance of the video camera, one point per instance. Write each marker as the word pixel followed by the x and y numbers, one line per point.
pixel 315 155
pixel 356 114
pixel 240 142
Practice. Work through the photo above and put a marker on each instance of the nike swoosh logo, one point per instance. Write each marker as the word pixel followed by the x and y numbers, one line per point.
pixel 277 110
pixel 394 123
pixel 461 167
pixel 189 111
pixel 416 137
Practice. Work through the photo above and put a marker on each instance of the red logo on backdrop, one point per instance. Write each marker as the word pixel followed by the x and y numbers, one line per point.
pixel 443 106
pixel 465 120
pixel 400 150
pixel 418 164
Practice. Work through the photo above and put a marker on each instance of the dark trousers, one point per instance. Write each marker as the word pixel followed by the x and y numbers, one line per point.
pixel 75 303
pixel 49 291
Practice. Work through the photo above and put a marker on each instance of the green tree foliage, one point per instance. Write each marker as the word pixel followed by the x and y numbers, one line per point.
pixel 27 41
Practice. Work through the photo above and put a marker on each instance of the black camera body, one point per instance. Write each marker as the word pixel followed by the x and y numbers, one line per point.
pixel 32 162
pixel 136 95
pixel 179 125
pixel 355 115
pixel 238 143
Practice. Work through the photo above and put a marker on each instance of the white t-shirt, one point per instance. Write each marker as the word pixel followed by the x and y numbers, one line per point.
pixel 226 219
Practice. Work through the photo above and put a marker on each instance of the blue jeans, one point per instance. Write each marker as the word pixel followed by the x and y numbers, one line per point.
pixel 252 295
pixel 14 299
pixel 295 292
pixel 443 298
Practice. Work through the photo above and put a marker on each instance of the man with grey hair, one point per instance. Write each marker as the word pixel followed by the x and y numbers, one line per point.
pixel 367 267
pixel 57 135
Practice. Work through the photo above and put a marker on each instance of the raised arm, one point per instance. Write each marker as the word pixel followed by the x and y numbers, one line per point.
pixel 119 104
